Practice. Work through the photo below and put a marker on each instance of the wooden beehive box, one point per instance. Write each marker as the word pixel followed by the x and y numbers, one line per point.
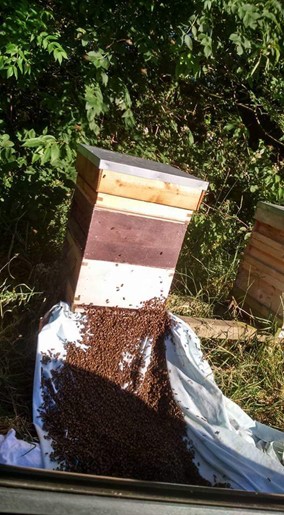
pixel 259 284
pixel 126 227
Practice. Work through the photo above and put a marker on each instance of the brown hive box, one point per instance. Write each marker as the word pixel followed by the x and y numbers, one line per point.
pixel 259 284
pixel 126 227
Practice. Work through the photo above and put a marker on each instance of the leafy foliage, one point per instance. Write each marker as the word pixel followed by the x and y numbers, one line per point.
pixel 197 84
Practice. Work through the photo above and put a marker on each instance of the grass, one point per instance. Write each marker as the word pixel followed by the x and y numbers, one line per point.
pixel 21 306
pixel 251 374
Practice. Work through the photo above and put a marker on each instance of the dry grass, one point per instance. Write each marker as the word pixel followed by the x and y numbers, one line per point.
pixel 251 374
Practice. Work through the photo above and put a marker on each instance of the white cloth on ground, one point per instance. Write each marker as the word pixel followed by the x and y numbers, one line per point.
pixel 229 446
pixel 14 451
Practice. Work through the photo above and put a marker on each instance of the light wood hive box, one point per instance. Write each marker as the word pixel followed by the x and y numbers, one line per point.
pixel 127 223
pixel 259 284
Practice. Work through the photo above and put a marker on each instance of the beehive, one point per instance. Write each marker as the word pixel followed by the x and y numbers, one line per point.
pixel 127 223
pixel 259 284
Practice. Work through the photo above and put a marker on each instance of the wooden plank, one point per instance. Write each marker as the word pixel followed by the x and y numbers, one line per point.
pixel 220 329
pixel 86 189
pixel 263 292
pixel 269 232
pixel 270 214
pixel 148 190
pixel 124 238
pixel 69 294
pixel 77 233
pixel 264 256
pixel 258 269
pixel 104 283
pixel 254 308
pixel 88 171
pixel 74 245
pixel 81 210
pixel 142 208
pixel 203 192
pixel 73 260
pixel 91 179
pixel 261 242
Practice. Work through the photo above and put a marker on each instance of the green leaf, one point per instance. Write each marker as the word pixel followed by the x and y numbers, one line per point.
pixel 234 37
pixel 55 153
pixel 46 156
pixel 32 142
pixel 10 72
pixel 35 157
pixel 104 78
pixel 207 50
pixel 190 138
pixel 194 31
pixel 188 41
pixel 240 50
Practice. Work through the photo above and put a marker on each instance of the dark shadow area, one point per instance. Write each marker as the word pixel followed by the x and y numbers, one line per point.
pixel 99 428
pixel 33 214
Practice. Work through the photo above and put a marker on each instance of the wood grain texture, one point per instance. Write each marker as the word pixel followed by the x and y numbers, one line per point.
pixel 263 271
pixel 91 180
pixel 267 245
pixel 269 232
pixel 81 210
pixel 87 190
pixel 270 214
pixel 133 165
pixel 73 261
pixel 260 280
pixel 104 283
pixel 220 329
pixel 156 191
pixel 136 188
pixel 69 294
pixel 88 171
pixel 142 208
pixel 202 195
pixel 254 308
pixel 77 233
pixel 126 238
pixel 262 291
pixel 265 257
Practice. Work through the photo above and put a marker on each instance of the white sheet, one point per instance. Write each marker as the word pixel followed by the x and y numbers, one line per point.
pixel 230 447
pixel 14 451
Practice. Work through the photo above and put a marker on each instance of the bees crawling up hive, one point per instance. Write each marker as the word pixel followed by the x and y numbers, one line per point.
pixel 126 227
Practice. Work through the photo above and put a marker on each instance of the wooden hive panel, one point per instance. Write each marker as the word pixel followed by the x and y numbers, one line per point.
pixel 262 291
pixel 92 180
pixel 73 263
pixel 270 232
pixel 260 280
pixel 150 191
pixel 125 238
pixel 142 208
